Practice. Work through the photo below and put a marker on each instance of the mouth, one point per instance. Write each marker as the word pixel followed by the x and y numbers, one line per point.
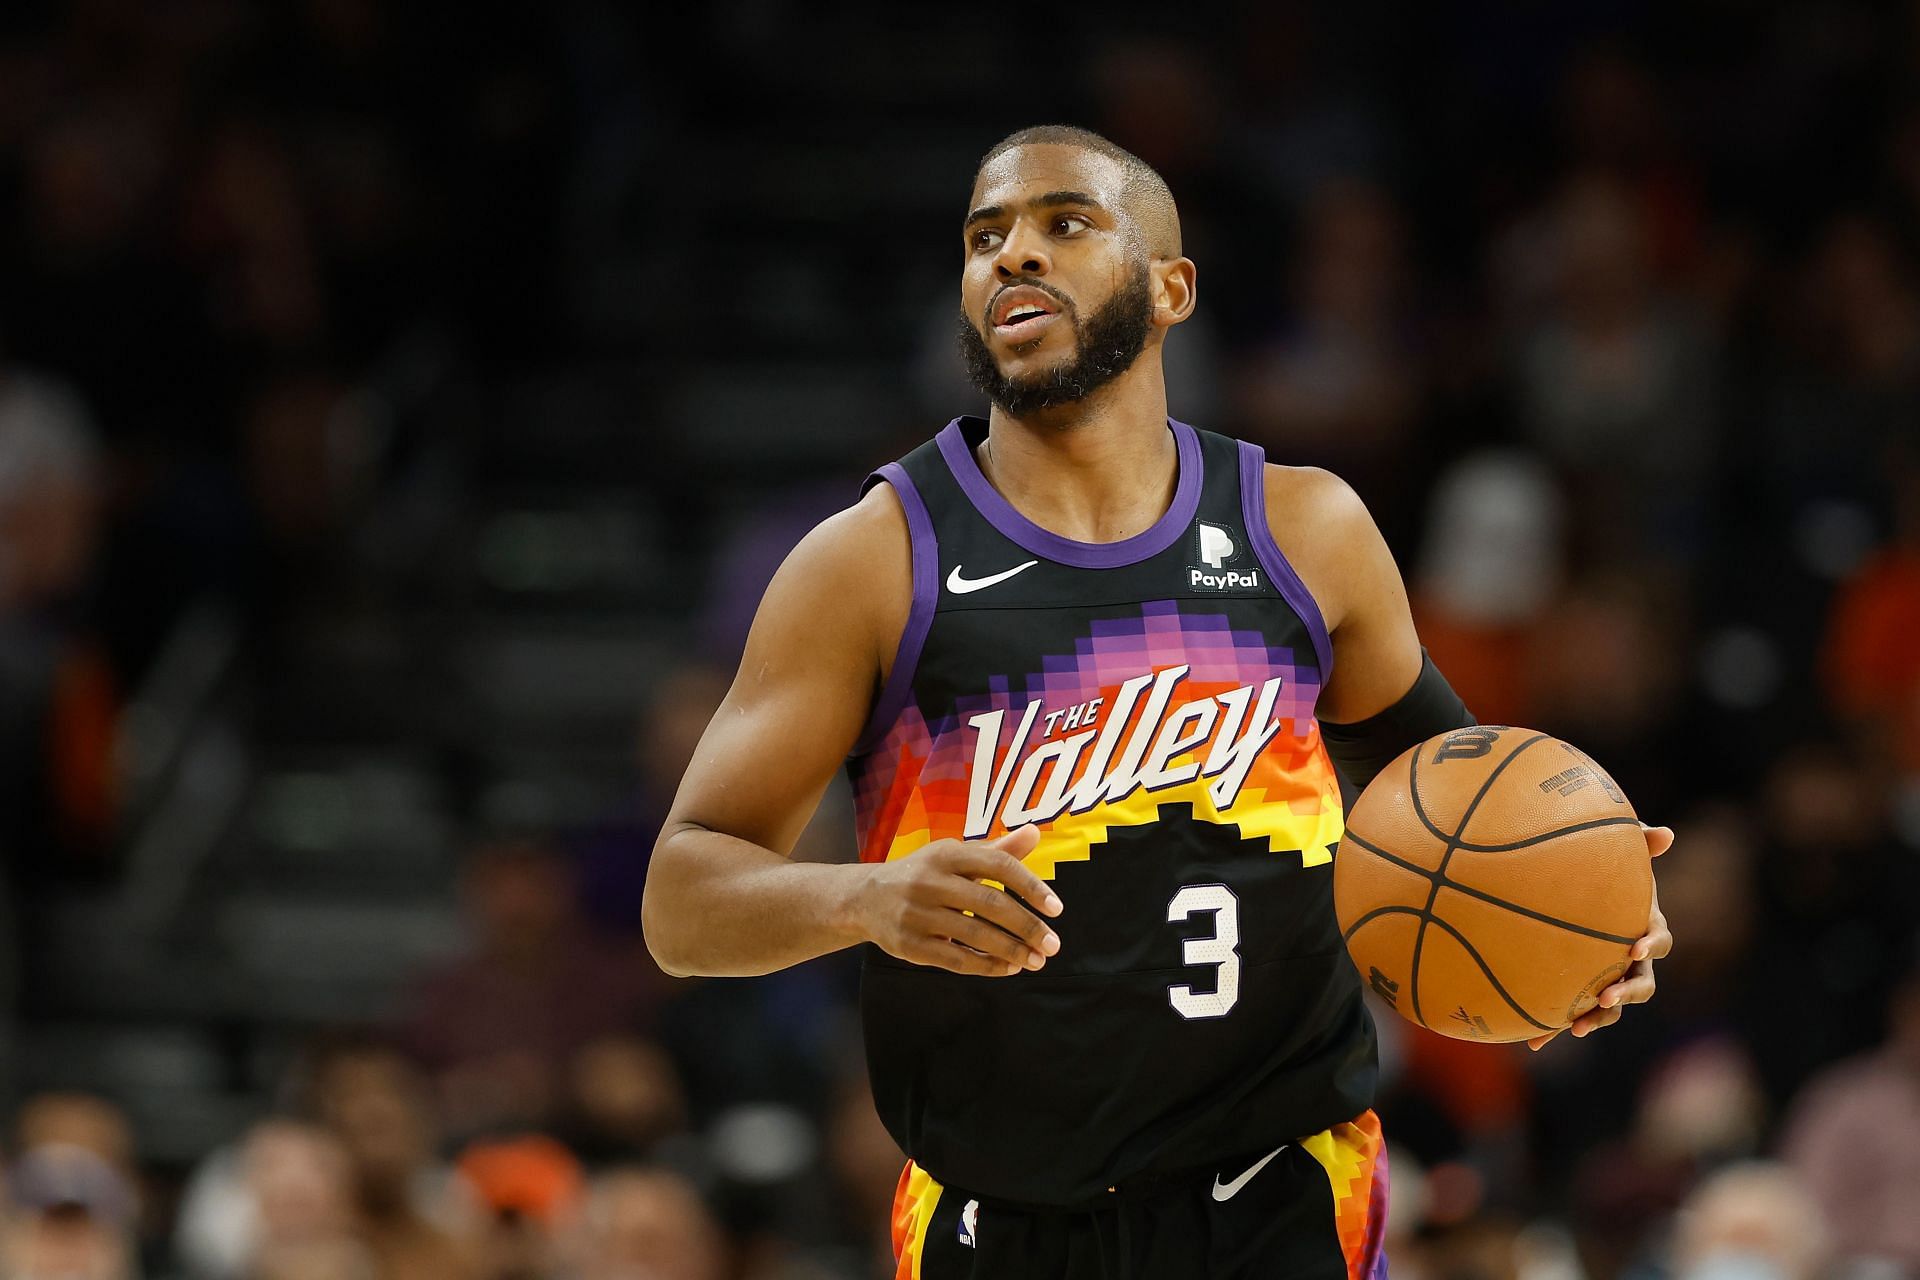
pixel 1023 313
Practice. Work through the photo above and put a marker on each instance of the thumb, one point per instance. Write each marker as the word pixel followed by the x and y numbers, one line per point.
pixel 1019 842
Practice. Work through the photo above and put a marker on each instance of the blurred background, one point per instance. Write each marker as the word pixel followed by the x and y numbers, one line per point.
pixel 402 407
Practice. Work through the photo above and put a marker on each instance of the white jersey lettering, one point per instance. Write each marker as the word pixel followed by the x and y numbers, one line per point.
pixel 1041 786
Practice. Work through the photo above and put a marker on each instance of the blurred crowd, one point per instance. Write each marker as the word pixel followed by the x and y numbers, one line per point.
pixel 1612 317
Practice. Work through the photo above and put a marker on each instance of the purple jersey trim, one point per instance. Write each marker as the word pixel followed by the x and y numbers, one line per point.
pixel 1081 555
pixel 926 586
pixel 1253 507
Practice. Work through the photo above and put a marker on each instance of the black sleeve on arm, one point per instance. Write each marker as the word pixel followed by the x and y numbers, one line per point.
pixel 1362 749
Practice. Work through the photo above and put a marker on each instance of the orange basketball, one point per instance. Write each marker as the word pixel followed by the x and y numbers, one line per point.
pixel 1491 883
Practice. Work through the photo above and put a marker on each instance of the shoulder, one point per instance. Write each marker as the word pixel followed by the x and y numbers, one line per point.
pixel 849 581
pixel 1326 533
pixel 1312 498
pixel 860 538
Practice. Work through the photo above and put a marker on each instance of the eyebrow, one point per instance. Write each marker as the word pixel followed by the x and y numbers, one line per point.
pixel 1051 199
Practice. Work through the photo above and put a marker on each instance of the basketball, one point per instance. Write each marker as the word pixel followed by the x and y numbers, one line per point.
pixel 1491 883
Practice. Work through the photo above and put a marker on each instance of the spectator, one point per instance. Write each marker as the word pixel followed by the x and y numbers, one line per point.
pixel 57 688
pixel 1750 1219
pixel 279 1196
pixel 378 1106
pixel 1491 566
pixel 646 1222
pixel 71 1217
pixel 1341 385
pixel 497 1027
pixel 357 1180
pixel 74 1203
pixel 526 1195
pixel 613 854
pixel 624 1099
pixel 1872 665
pixel 1615 378
pixel 1832 879
pixel 299 1206
pixel 1603 671
pixel 1854 1135
pixel 81 1121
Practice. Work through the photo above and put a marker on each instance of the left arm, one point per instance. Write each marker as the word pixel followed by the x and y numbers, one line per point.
pixel 1382 696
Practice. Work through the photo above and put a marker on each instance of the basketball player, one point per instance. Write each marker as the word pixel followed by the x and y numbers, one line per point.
pixel 1086 667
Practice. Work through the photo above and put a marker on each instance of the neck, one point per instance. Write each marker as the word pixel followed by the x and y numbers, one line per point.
pixel 1101 470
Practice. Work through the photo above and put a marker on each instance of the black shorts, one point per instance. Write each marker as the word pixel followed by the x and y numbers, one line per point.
pixel 1314 1209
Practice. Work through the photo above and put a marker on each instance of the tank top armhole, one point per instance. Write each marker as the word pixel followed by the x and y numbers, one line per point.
pixel 926 584
pixel 1253 508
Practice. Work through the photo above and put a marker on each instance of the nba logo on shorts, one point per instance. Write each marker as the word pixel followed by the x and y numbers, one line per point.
pixel 969 1223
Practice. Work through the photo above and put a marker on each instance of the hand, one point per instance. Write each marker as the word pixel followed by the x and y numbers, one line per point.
pixel 1636 985
pixel 916 907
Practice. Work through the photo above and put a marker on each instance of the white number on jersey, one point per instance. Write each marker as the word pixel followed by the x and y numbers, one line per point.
pixel 1218 949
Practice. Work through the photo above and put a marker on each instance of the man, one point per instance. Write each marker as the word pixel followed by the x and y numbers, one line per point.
pixel 1074 655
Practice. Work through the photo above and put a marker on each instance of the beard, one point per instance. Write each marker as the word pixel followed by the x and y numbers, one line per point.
pixel 1106 347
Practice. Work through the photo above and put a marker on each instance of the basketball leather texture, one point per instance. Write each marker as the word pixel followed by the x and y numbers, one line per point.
pixel 1491 883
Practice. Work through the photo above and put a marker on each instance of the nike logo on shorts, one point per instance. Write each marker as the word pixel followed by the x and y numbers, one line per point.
pixel 1227 1191
pixel 960 585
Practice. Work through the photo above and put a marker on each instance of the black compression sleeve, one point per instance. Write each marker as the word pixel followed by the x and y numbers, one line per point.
pixel 1362 749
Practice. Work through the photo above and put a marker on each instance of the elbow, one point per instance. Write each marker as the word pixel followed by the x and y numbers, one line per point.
pixel 666 950
pixel 663 909
pixel 663 956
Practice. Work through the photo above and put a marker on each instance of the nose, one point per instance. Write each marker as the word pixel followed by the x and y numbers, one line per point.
pixel 1023 252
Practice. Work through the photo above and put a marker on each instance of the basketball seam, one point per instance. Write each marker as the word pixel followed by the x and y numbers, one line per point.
pixel 1484 896
pixel 1427 917
pixel 1420 812
pixel 1466 846
pixel 1453 843
pixel 1413 791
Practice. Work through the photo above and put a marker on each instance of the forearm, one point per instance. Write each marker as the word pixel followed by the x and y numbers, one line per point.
pixel 719 906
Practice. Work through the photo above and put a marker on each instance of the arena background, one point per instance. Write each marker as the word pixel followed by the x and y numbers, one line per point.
pixel 402 406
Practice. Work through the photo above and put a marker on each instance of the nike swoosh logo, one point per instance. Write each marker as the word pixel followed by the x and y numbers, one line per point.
pixel 961 585
pixel 1231 1189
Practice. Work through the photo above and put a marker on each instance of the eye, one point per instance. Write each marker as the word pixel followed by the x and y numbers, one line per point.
pixel 985 238
pixel 1071 221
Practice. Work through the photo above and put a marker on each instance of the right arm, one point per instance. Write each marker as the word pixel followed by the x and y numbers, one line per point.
pixel 722 896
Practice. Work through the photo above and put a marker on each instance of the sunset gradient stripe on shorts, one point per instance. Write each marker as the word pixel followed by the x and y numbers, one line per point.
pixel 911 788
pixel 1355 1159
pixel 914 1201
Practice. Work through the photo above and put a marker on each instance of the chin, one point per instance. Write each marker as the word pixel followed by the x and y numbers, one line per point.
pixel 1034 364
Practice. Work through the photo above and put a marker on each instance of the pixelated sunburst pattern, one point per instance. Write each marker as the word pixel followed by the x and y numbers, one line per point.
pixel 911 788
pixel 914 1201
pixel 1355 1158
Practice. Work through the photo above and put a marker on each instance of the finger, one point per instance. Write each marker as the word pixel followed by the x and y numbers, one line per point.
pixel 1001 860
pixel 956 958
pixel 1018 842
pixel 1002 909
pixel 1656 943
pixel 1540 1042
pixel 1637 989
pixel 998 943
pixel 1588 1023
pixel 1659 839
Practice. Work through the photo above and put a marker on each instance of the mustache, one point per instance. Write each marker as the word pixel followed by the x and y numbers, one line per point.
pixel 1106 346
pixel 1066 303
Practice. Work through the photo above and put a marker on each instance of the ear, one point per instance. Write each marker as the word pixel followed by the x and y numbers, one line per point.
pixel 1175 290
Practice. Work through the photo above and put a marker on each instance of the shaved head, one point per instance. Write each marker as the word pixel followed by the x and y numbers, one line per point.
pixel 1148 204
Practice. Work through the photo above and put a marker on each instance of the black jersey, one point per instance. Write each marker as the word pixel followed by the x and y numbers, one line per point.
pixel 1149 705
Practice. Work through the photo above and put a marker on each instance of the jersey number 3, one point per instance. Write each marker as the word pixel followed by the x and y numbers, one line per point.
pixel 1221 949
